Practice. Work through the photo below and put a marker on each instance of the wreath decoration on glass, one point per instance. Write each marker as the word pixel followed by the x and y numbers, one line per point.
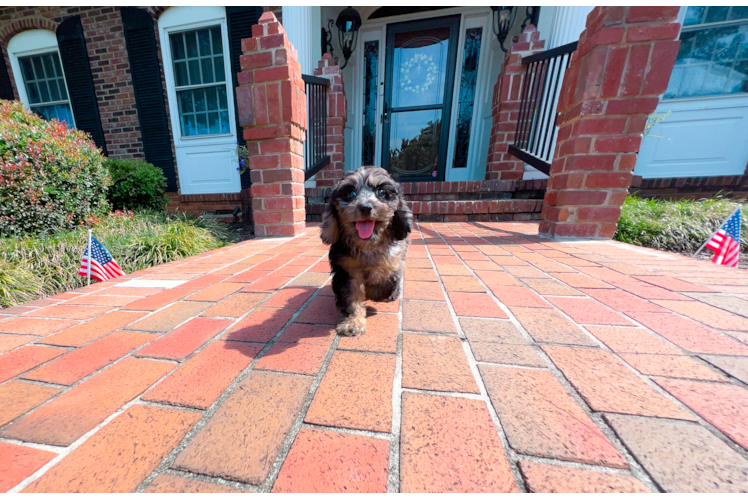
pixel 418 62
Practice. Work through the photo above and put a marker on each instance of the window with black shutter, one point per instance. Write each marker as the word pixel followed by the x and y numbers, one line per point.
pixel 72 47
pixel 240 21
pixel 6 89
pixel 149 96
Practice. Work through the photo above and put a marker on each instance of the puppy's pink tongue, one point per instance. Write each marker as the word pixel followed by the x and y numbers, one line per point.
pixel 365 228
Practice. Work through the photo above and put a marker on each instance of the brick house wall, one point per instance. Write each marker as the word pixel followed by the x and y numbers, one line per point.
pixel 107 53
pixel 691 188
pixel 110 69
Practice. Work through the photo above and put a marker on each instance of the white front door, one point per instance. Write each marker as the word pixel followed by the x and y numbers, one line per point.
pixel 701 124
pixel 195 50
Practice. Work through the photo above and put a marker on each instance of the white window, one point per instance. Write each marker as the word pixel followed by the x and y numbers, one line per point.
pixel 200 81
pixel 713 54
pixel 37 70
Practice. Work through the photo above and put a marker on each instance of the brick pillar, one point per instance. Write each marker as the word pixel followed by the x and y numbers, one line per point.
pixel 622 64
pixel 505 106
pixel 272 109
pixel 337 114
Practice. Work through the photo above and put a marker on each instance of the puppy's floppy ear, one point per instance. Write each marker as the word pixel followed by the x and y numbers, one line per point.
pixel 402 220
pixel 330 232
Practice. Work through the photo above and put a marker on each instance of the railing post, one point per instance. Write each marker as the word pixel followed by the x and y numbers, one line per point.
pixel 505 107
pixel 272 109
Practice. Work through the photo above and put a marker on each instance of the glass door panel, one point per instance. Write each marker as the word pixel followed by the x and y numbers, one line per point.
pixel 419 78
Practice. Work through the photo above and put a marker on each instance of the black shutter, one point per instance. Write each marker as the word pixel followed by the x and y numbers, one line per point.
pixel 149 94
pixel 78 77
pixel 240 21
pixel 6 89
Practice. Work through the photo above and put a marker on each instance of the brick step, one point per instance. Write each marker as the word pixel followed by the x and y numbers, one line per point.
pixel 460 211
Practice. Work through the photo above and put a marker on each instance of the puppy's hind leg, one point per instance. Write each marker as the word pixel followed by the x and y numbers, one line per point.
pixel 349 298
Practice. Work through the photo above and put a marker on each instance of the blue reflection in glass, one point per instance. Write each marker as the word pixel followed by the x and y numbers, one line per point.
pixel 467 95
pixel 711 61
pixel 371 66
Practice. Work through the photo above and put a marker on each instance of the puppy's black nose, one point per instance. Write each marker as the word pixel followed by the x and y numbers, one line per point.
pixel 365 208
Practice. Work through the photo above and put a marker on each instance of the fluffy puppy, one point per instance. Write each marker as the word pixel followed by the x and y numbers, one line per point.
pixel 366 223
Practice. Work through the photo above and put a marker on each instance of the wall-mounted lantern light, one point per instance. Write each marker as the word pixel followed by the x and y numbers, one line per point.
pixel 348 23
pixel 503 19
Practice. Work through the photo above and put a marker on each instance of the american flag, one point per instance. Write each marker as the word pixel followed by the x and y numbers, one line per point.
pixel 103 266
pixel 726 242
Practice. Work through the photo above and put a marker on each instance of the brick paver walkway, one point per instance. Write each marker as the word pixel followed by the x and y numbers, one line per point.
pixel 510 363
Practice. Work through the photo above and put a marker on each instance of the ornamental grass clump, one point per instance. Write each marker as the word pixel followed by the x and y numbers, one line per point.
pixel 51 177
pixel 36 266
pixel 676 226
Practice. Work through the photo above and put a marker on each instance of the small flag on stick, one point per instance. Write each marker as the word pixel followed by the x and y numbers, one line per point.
pixel 102 265
pixel 726 241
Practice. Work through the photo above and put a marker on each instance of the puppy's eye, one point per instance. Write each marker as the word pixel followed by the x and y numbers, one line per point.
pixel 351 194
pixel 382 194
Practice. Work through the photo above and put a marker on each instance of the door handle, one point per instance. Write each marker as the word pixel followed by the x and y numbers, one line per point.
pixel 385 114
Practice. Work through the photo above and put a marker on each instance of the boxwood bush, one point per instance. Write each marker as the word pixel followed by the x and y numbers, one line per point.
pixel 136 184
pixel 51 177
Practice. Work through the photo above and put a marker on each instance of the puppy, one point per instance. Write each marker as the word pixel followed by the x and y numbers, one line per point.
pixel 366 223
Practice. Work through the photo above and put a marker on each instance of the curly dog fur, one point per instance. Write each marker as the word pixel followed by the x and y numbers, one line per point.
pixel 365 267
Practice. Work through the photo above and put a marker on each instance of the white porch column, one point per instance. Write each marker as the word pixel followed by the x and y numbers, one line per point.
pixel 302 25
pixel 566 26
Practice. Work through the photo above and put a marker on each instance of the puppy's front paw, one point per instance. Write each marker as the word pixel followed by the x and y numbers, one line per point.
pixel 351 327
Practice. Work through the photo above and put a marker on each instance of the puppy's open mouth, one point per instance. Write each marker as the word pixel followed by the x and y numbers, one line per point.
pixel 365 228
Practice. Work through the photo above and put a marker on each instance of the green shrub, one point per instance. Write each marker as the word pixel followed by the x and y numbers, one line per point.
pixel 136 184
pixel 34 267
pixel 51 177
pixel 676 226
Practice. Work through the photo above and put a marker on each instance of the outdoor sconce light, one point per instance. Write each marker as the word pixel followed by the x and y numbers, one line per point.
pixel 348 23
pixel 503 19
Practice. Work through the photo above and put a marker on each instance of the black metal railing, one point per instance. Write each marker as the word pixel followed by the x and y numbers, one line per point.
pixel 535 138
pixel 315 147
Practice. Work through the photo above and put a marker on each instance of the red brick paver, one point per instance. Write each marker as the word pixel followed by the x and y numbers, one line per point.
pixel 437 363
pixel 202 379
pixel 82 362
pixel 109 462
pixel 19 462
pixel 243 438
pixel 682 456
pixel 542 419
pixel 333 462
pixel 366 381
pixel 544 478
pixel 25 358
pixel 451 445
pixel 69 416
pixel 17 398
pixel 507 363
pixel 607 385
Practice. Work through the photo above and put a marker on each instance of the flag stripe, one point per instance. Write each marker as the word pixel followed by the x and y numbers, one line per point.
pixel 99 263
pixel 726 242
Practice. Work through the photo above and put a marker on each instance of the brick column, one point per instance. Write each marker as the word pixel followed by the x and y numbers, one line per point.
pixel 505 106
pixel 272 109
pixel 337 114
pixel 622 64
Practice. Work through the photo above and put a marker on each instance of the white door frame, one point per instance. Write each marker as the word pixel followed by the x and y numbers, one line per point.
pixel 471 17
pixel 216 149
